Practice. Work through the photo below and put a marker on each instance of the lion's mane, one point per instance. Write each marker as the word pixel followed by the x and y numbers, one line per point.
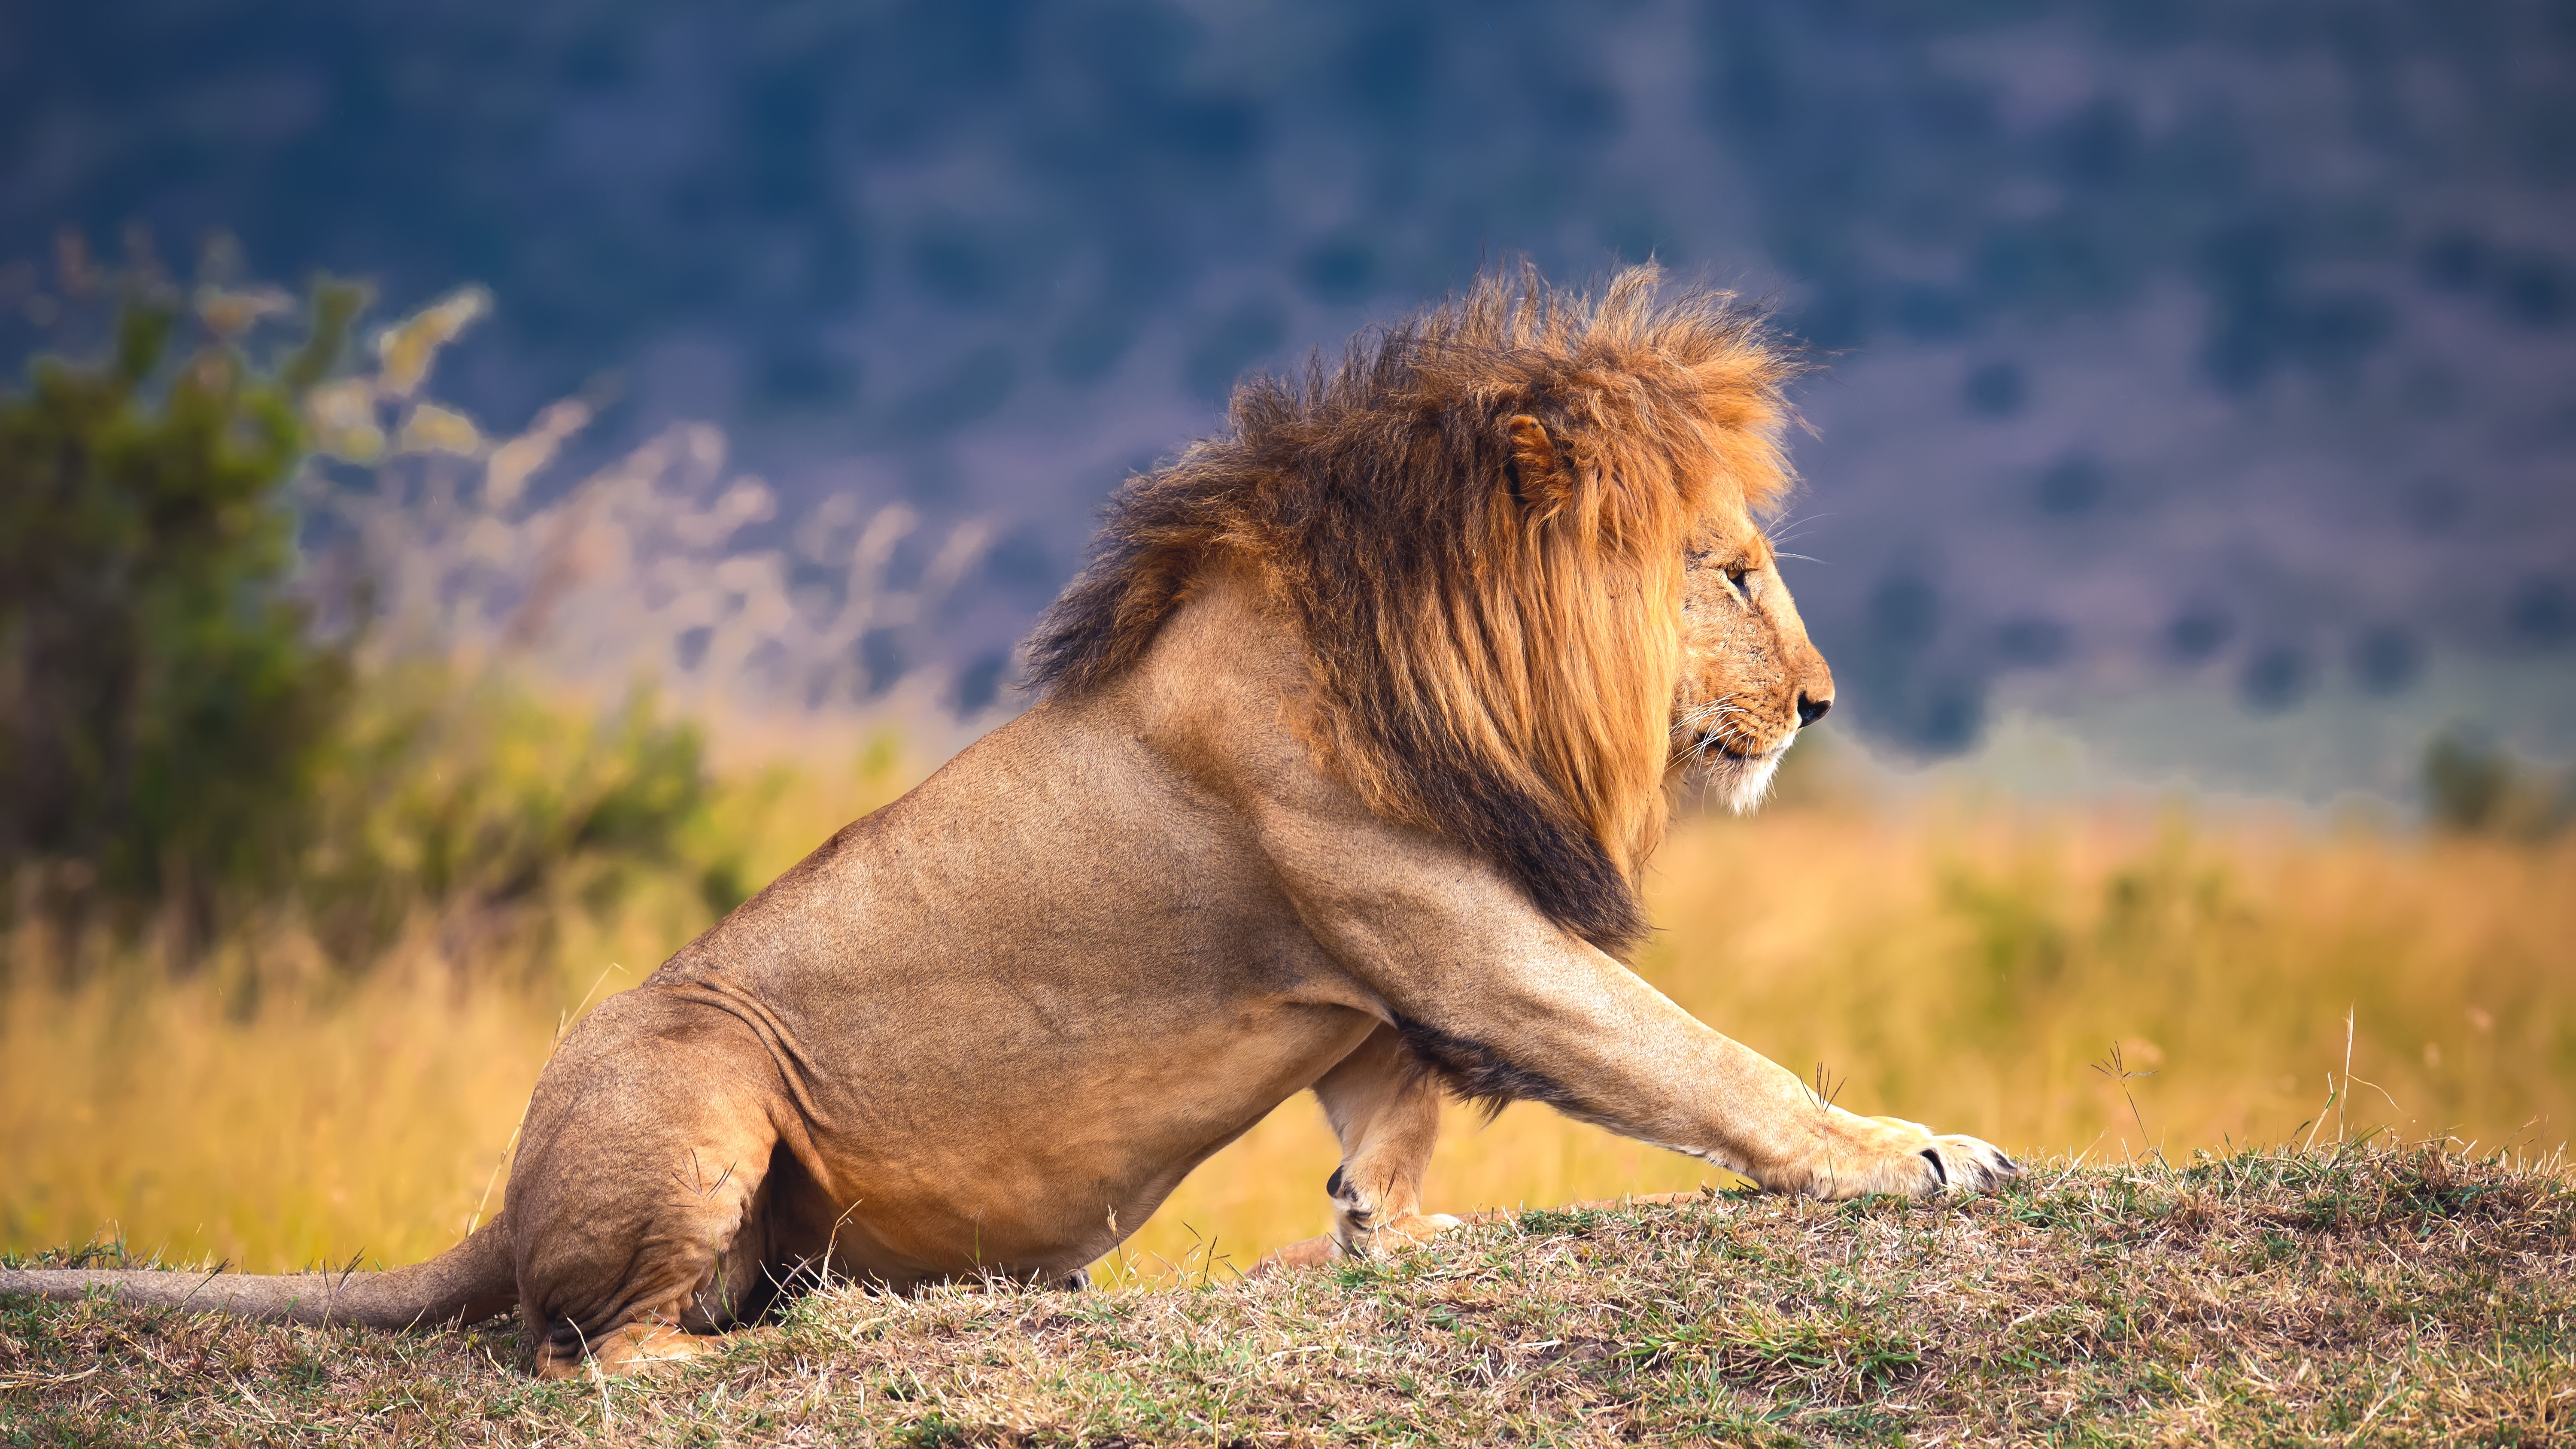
pixel 1492 632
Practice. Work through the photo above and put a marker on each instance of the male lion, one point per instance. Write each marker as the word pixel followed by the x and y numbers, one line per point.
pixel 1355 738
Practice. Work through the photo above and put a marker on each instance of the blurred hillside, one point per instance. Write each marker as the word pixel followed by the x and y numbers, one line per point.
pixel 2228 346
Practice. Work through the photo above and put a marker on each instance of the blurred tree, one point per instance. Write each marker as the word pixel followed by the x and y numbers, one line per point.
pixel 163 703
pixel 2466 780
pixel 2472 785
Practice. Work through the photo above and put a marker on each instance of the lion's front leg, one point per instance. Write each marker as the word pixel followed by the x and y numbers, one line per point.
pixel 1504 1003
pixel 1573 1028
pixel 1854 1155
pixel 1384 1105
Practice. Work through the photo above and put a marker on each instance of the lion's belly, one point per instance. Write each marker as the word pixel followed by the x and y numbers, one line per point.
pixel 1051 1174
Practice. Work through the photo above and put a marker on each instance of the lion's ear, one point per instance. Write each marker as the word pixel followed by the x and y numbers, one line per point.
pixel 1539 478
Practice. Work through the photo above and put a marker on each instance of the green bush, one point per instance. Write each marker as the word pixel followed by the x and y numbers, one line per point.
pixel 474 800
pixel 179 744
pixel 164 704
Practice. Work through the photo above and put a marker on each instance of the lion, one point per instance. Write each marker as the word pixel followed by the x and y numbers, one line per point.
pixel 1351 744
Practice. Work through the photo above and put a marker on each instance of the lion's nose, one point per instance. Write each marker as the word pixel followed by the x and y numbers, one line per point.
pixel 1812 710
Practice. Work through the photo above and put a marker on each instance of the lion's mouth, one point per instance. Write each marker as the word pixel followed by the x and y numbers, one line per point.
pixel 1717 745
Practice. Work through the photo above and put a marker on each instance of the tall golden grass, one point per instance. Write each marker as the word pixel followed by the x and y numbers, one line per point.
pixel 1987 968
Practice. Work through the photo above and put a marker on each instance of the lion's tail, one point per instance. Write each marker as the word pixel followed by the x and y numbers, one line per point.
pixel 472 1281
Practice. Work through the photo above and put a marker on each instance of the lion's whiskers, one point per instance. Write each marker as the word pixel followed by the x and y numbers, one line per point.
pixel 1718 750
pixel 1704 726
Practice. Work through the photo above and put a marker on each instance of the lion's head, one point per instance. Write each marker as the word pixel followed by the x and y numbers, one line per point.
pixel 1519 535
pixel 1750 678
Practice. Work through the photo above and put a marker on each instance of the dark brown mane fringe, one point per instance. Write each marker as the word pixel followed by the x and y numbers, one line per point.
pixel 1496 651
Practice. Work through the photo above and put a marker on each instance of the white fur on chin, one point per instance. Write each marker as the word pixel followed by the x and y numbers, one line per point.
pixel 1741 783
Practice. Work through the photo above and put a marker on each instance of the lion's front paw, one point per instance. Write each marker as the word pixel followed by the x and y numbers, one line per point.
pixel 1857 1155
pixel 1406 1231
pixel 1965 1164
pixel 1401 1232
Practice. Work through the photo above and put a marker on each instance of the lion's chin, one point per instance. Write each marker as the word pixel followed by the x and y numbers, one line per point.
pixel 1740 781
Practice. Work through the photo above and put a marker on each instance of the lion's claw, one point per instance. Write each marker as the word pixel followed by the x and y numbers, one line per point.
pixel 1860 1155
pixel 1968 1164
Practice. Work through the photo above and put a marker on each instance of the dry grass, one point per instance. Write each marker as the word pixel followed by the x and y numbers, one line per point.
pixel 2358 1294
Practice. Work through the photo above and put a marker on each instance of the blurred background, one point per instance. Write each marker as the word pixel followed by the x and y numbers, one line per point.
pixel 2190 518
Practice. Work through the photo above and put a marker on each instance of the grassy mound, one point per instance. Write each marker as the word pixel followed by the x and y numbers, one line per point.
pixel 2363 1293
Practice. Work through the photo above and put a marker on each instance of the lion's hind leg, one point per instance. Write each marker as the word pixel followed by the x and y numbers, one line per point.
pixel 638 1199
